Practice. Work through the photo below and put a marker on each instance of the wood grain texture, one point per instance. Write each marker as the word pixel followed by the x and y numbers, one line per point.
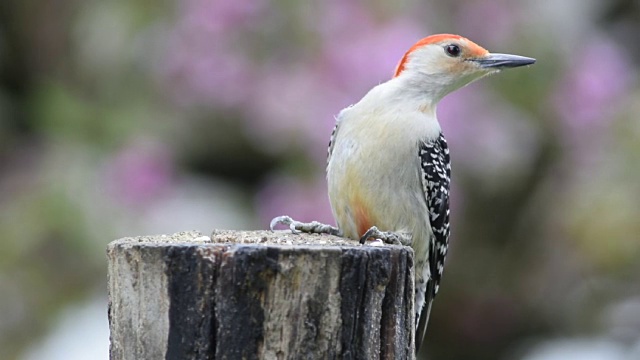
pixel 259 295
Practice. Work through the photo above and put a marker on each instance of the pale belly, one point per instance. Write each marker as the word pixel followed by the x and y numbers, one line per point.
pixel 369 187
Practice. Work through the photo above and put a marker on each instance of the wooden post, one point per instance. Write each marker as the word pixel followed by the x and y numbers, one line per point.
pixel 259 295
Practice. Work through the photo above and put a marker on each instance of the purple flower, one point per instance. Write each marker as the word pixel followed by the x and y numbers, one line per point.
pixel 139 173
pixel 363 57
pixel 206 62
pixel 597 78
pixel 472 19
pixel 213 17
pixel 486 135
pixel 219 77
pixel 291 108
pixel 303 201
pixel 359 51
pixel 299 102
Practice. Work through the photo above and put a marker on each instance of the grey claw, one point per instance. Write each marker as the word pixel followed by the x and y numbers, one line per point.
pixel 386 237
pixel 370 233
pixel 395 241
pixel 284 220
pixel 298 227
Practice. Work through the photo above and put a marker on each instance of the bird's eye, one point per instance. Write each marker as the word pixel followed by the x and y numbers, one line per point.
pixel 452 50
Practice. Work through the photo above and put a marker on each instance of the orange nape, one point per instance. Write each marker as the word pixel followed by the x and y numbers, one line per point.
pixel 471 48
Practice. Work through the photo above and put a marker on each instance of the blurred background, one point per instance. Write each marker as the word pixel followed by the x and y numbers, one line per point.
pixel 122 118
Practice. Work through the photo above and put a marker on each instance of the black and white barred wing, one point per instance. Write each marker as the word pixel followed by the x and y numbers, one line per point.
pixel 436 176
pixel 435 169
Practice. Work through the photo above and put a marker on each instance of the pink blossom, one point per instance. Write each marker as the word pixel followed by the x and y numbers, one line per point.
pixel 205 60
pixel 218 77
pixel 212 17
pixel 139 173
pixel 362 58
pixel 299 102
pixel 472 19
pixel 485 135
pixel 303 201
pixel 596 79
pixel 293 107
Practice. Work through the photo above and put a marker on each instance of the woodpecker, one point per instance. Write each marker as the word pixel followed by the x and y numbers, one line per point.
pixel 388 169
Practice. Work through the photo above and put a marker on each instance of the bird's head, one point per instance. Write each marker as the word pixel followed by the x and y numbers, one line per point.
pixel 440 64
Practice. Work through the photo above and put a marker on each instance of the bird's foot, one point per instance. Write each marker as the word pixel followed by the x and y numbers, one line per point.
pixel 313 227
pixel 394 238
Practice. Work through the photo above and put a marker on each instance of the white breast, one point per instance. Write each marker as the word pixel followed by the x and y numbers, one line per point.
pixel 374 169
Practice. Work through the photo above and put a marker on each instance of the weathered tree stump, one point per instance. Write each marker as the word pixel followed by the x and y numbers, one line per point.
pixel 259 295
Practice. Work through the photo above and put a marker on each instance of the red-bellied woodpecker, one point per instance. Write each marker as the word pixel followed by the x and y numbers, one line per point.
pixel 388 170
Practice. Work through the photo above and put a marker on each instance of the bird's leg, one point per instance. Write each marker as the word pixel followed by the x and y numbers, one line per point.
pixel 395 238
pixel 313 227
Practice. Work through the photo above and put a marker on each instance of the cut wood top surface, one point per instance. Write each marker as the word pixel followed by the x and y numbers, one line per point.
pixel 237 237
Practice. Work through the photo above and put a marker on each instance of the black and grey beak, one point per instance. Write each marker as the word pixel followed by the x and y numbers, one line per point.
pixel 500 61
